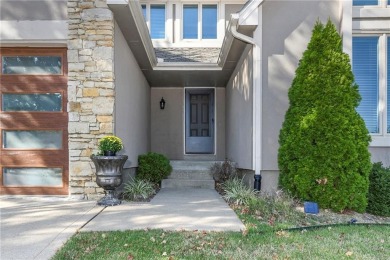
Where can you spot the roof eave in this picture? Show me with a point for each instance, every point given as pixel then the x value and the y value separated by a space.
pixel 129 13
pixel 247 20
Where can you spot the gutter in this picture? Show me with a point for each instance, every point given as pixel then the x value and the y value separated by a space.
pixel 256 85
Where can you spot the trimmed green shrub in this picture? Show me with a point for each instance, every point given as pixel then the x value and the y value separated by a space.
pixel 138 189
pixel 323 154
pixel 153 167
pixel 379 190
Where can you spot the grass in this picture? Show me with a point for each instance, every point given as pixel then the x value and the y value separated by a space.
pixel 344 242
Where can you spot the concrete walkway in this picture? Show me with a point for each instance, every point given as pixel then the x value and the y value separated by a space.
pixel 171 209
pixel 35 228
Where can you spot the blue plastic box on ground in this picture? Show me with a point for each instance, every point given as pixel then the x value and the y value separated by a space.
pixel 310 207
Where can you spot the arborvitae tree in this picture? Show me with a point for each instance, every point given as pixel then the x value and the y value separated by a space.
pixel 323 154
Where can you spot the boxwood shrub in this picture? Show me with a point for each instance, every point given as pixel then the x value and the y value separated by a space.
pixel 153 167
pixel 379 190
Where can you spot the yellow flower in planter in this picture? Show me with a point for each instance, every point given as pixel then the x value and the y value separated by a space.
pixel 109 145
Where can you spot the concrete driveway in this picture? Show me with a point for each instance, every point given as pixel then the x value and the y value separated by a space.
pixel 36 229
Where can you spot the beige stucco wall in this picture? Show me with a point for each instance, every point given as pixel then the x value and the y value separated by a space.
pixel 380 154
pixel 281 51
pixel 167 126
pixel 239 98
pixel 132 102
pixel 33 23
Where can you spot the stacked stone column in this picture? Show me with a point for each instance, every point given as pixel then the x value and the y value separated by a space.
pixel 90 89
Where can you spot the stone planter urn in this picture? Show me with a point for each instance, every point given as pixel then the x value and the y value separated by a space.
pixel 109 176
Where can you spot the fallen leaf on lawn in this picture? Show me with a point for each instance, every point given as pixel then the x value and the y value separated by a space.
pixel 152 239
pixel 130 257
pixel 103 235
pixel 282 233
pixel 170 258
pixel 125 245
pixel 349 253
pixel 382 241
pixel 164 254
pixel 164 242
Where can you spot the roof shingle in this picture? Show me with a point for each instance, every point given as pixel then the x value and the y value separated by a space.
pixel 204 55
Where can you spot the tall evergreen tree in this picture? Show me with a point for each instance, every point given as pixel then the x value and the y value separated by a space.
pixel 323 154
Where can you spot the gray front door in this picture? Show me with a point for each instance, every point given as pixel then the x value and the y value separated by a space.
pixel 200 121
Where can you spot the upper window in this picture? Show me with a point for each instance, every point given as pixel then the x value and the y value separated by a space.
pixel 209 21
pixel 190 22
pixel 192 14
pixel 155 18
pixel 365 2
pixel 369 70
pixel 157 21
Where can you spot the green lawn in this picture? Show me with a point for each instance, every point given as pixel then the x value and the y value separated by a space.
pixel 341 242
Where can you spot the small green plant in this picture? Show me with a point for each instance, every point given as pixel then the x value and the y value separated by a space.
pixel 236 192
pixel 138 190
pixel 223 171
pixel 379 190
pixel 110 143
pixel 153 167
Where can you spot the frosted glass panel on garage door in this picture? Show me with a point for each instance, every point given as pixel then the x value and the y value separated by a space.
pixel 32 65
pixel 32 139
pixel 42 177
pixel 32 102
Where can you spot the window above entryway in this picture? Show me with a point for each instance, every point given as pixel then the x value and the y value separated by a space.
pixel 155 17
pixel 200 21
pixel 188 24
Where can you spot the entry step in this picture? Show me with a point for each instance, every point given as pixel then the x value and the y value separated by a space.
pixel 193 174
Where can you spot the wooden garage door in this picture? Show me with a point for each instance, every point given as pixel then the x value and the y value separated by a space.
pixel 33 121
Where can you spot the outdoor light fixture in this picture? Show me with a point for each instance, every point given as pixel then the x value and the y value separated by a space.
pixel 162 103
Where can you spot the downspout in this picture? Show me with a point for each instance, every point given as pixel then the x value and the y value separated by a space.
pixel 257 98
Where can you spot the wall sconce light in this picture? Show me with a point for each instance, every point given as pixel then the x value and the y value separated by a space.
pixel 162 103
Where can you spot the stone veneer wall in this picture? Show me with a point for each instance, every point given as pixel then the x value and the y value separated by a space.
pixel 90 89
